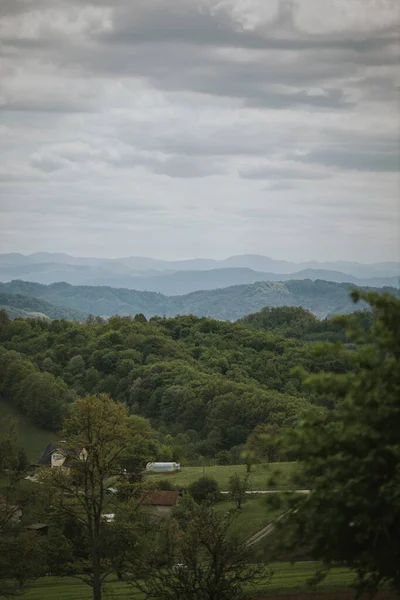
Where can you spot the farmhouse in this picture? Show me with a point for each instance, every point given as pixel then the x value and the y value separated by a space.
pixel 161 502
pixel 56 455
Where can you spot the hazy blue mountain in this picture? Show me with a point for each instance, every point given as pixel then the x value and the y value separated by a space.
pixel 136 265
pixel 230 303
pixel 359 270
pixel 166 282
pixel 339 277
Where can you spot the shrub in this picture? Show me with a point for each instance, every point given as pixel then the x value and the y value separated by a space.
pixel 165 485
pixel 223 457
pixel 205 489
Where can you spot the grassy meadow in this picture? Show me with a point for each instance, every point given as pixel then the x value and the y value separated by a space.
pixel 286 578
pixel 33 439
pixel 259 477
pixel 253 516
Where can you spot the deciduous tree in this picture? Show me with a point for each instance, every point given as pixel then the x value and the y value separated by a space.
pixel 352 458
pixel 99 433
pixel 238 488
pixel 209 564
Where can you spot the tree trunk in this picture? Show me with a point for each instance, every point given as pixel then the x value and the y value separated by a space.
pixel 96 574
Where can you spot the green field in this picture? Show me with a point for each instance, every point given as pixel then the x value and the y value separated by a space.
pixel 286 578
pixel 258 478
pixel 253 516
pixel 289 577
pixel 32 439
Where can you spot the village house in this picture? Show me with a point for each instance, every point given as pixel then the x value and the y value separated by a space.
pixel 161 502
pixel 57 455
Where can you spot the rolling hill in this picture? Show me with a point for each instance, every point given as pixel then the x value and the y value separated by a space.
pixel 321 297
pixel 27 307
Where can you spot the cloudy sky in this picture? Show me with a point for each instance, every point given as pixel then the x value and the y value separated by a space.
pixel 184 128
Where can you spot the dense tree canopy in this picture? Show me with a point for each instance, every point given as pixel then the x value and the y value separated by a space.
pixel 101 441
pixel 205 382
pixel 352 456
pixel 206 562
pixel 209 389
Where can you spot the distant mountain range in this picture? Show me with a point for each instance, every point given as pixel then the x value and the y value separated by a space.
pixel 231 303
pixel 182 277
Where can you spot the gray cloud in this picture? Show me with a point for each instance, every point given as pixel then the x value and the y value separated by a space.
pixel 187 46
pixel 48 164
pixel 281 173
pixel 170 120
pixel 323 99
pixel 184 167
pixel 190 23
pixel 280 186
pixel 78 155
pixel 360 160
pixel 171 166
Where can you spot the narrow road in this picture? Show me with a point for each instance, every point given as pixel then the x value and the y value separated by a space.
pixel 267 530
pixel 257 537
pixel 275 492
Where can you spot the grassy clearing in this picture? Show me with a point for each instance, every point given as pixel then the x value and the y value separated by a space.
pixel 32 439
pixel 286 578
pixel 289 577
pixel 259 477
pixel 253 516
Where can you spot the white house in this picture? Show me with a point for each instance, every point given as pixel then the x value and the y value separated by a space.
pixel 56 455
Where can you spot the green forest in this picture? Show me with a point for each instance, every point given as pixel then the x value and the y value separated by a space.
pixel 203 384
pixel 280 398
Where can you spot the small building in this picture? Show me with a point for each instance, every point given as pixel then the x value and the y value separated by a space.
pixel 57 455
pixel 161 501
pixel 163 467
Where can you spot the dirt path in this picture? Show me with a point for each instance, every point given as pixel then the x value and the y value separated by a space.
pixel 262 533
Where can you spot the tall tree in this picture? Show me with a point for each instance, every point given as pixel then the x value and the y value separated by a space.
pixel 207 563
pixel 22 559
pixel 238 488
pixel 22 556
pixel 352 457
pixel 99 432
pixel 13 464
pixel 265 442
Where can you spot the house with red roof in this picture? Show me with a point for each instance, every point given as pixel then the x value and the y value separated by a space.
pixel 161 501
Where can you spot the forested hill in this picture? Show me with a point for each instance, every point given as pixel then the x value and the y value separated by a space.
pixel 207 383
pixel 321 297
pixel 20 306
pixel 295 322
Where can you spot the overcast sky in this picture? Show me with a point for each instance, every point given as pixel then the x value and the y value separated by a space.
pixel 186 128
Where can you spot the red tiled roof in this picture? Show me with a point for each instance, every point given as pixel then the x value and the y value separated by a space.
pixel 162 498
